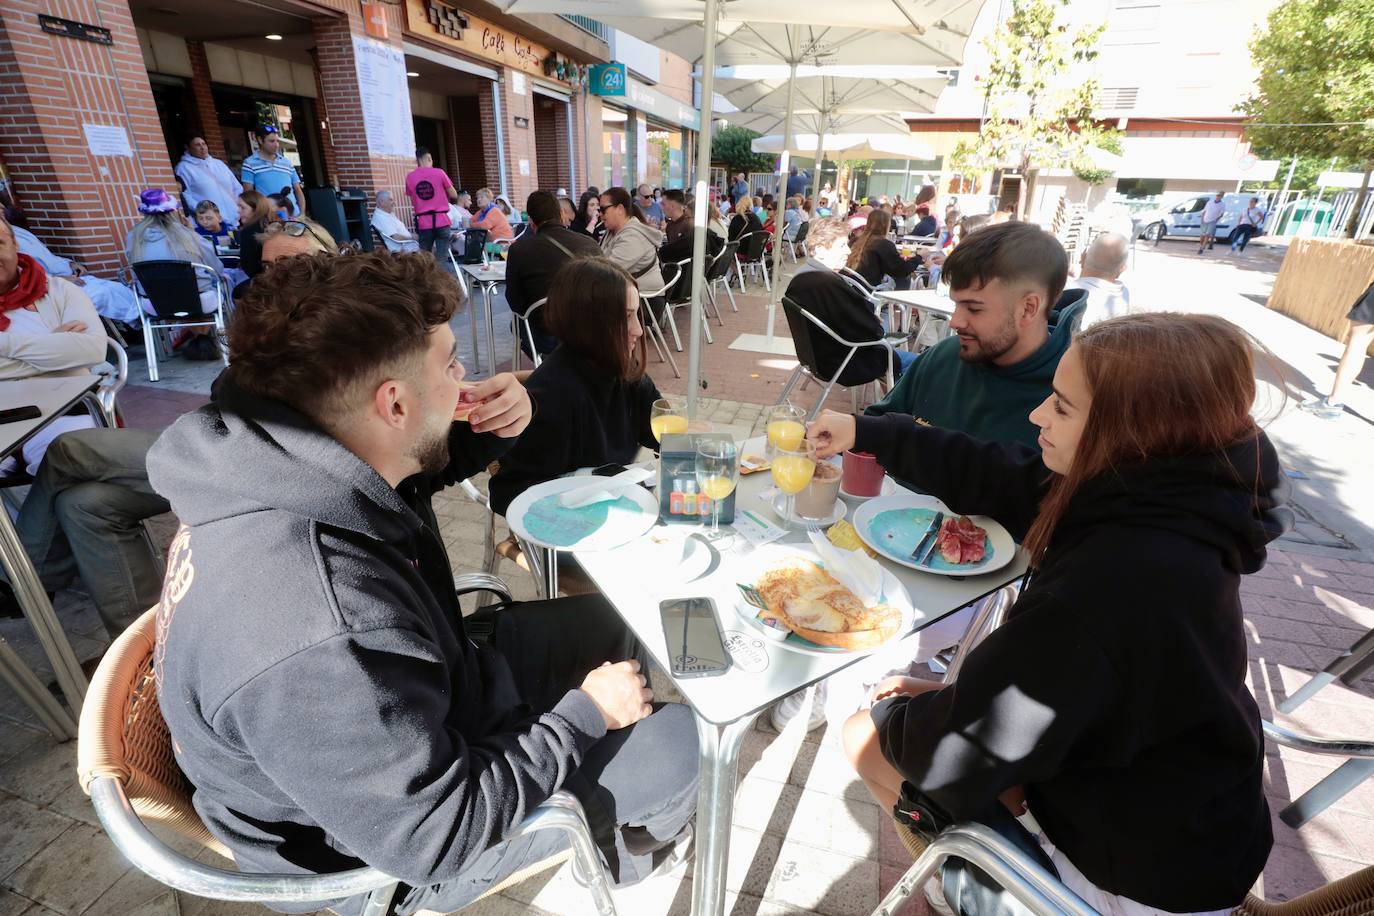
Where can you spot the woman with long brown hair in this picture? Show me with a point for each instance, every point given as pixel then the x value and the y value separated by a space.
pixel 874 255
pixel 1110 711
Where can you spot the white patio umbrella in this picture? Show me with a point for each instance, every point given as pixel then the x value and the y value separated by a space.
pixel 711 33
pixel 853 145
pixel 814 124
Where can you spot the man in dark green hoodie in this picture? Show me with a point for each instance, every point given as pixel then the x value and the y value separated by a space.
pixel 997 366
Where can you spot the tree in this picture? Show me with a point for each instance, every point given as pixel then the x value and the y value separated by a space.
pixel 1037 97
pixel 1315 92
pixel 730 145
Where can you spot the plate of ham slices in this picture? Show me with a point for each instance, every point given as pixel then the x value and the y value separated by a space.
pixel 955 545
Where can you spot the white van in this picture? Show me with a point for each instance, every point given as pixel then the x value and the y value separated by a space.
pixel 1184 218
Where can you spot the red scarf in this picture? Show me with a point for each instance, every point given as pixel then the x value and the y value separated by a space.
pixel 30 286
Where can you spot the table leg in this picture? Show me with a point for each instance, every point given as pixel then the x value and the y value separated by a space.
pixel 718 756
pixel 38 609
pixel 30 689
pixel 487 290
pixel 472 319
pixel 550 557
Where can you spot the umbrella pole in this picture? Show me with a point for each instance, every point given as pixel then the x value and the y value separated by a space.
pixel 820 154
pixel 703 200
pixel 778 221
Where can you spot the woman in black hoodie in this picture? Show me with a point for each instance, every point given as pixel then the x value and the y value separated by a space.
pixel 1112 703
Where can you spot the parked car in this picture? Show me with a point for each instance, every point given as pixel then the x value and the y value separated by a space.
pixel 1184 218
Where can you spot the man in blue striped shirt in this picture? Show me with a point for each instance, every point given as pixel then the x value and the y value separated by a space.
pixel 269 172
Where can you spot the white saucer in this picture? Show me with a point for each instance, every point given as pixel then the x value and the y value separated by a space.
pixel 837 512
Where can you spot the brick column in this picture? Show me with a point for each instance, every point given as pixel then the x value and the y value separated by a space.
pixel 563 177
pixel 79 204
pixel 491 154
pixel 583 172
pixel 355 166
pixel 207 120
pixel 519 140
pixel 331 162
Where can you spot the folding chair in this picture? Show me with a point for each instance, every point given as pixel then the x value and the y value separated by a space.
pixel 114 374
pixel 800 240
pixel 520 324
pixel 718 271
pixel 125 763
pixel 173 289
pixel 801 323
pixel 655 329
pixel 679 295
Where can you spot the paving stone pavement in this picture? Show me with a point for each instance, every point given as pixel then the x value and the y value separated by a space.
pixel 807 839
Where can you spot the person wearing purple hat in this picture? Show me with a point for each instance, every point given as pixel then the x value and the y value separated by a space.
pixel 162 236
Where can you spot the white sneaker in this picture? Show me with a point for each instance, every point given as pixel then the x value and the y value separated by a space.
pixel 1325 408
pixel 790 706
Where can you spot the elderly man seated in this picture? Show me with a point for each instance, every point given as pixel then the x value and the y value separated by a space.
pixel 324 692
pixel 394 233
pixel 48 327
pixel 113 300
pixel 1103 263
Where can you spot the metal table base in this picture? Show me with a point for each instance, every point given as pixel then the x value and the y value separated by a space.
pixel 718 758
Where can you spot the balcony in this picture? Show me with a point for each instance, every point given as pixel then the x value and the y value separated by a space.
pixel 592 27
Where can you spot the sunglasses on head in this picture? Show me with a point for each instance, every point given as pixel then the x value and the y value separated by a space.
pixel 294 228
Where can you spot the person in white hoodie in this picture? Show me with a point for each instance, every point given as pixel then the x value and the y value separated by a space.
pixel 208 178
pixel 630 241
pixel 1103 263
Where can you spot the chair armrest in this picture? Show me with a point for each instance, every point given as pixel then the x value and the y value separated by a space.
pixel 468 583
pixel 1336 747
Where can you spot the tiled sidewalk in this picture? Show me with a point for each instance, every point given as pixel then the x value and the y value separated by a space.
pixel 807 838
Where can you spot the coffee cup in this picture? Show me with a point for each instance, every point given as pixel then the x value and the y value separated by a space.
pixel 818 499
pixel 863 475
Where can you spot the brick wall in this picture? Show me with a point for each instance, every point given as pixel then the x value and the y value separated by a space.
pixel 551 143
pixel 331 161
pixel 519 141
pixel 486 117
pixel 204 116
pixel 81 205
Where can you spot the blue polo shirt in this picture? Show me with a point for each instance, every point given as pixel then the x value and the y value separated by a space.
pixel 271 177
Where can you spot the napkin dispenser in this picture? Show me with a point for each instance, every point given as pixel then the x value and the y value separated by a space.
pixel 680 501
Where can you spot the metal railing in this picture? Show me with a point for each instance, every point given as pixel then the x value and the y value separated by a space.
pixel 592 27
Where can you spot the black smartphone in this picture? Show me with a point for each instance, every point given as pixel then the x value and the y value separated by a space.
pixel 696 647
pixel 15 414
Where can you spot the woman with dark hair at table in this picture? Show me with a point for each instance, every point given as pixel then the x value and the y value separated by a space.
pixel 587 219
pixel 255 212
pixel 1137 756
pixel 874 255
pixel 629 240
pixel 594 399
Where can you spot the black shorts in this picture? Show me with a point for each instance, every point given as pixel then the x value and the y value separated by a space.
pixel 1363 310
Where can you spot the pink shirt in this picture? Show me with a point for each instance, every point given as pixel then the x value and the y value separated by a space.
pixel 427 190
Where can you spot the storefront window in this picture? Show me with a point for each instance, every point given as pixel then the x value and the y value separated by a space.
pixel 663 150
pixel 616 161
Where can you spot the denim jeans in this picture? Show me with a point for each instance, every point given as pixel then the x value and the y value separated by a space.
pixel 83 517
pixel 968 889
pixel 436 242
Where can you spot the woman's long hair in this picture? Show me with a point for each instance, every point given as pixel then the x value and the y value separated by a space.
pixel 586 312
pixel 1162 385
pixel 185 245
pixel 876 229
pixel 263 209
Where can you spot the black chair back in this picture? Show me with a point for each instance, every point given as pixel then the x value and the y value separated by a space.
pixel 751 245
pixel 801 329
pixel 801 233
pixel 720 265
pixel 173 288
pixel 474 241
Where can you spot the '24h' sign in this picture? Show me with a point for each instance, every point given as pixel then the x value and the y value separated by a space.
pixel 608 79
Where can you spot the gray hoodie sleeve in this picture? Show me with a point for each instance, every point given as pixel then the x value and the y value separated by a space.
pixel 363 749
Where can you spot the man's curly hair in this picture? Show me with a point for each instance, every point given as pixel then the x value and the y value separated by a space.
pixel 321 332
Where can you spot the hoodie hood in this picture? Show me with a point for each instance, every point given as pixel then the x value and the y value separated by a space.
pixel 651 235
pixel 242 454
pixel 1232 501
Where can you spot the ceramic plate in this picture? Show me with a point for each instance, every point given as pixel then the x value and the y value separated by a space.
pixel 536 516
pixel 894 525
pixel 749 567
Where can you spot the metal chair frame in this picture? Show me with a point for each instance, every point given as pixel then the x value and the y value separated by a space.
pixel 753 259
pixel 561 811
pixel 655 329
pixel 719 271
pixel 153 325
pixel 521 324
pixel 804 351
pixel 679 268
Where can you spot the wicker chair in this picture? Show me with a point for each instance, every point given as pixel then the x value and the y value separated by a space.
pixel 125 763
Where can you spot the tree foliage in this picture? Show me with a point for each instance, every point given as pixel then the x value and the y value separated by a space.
pixel 1039 97
pixel 1316 66
pixel 730 146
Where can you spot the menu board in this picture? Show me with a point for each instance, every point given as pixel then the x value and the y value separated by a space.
pixel 385 92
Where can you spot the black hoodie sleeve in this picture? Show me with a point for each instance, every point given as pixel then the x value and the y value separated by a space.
pixel 971 476
pixel 1010 719
pixel 891 262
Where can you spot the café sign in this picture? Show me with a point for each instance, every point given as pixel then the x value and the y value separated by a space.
pixel 445 24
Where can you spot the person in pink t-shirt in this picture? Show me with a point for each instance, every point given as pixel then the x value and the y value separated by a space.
pixel 430 193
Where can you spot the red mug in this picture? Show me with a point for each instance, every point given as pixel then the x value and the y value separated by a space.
pixel 863 475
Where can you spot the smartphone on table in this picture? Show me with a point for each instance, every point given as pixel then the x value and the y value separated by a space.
pixel 696 646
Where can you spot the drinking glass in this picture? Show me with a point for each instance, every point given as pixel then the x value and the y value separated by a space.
pixel 785 426
pixel 669 415
pixel 717 475
pixel 792 469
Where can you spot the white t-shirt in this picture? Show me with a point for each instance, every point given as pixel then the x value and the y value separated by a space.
pixel 390 227
pixel 459 218
pixel 1213 210
pixel 1106 299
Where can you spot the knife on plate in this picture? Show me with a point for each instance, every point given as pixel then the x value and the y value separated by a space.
pixel 928 540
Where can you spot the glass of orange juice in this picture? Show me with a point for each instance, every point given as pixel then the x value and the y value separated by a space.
pixel 792 470
pixel 668 415
pixel 785 428
pixel 717 470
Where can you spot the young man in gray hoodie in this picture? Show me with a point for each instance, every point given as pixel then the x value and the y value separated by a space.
pixel 325 695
